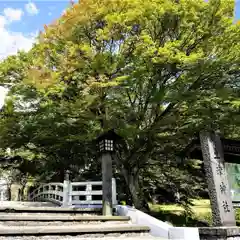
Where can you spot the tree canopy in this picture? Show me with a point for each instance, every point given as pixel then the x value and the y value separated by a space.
pixel 156 71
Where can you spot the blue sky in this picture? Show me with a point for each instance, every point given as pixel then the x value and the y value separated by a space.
pixel 237 9
pixel 35 13
pixel 20 23
pixel 21 20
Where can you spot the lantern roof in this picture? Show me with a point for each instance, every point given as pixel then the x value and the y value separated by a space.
pixel 111 135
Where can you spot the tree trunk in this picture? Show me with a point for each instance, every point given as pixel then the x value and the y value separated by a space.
pixel 19 195
pixel 9 193
pixel 21 192
pixel 139 202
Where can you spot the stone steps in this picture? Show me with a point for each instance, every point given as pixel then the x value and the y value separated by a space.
pixel 60 217
pixel 33 221
pixel 42 207
pixel 22 209
pixel 80 229
pixel 89 237
pixel 50 205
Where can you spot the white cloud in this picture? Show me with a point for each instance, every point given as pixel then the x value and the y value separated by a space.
pixel 2 22
pixel 12 14
pixel 31 8
pixel 12 42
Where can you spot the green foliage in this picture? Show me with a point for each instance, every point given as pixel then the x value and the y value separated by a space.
pixel 155 71
pixel 200 214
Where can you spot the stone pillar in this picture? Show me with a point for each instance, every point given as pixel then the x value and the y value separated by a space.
pixel 218 187
pixel 107 183
pixel 114 192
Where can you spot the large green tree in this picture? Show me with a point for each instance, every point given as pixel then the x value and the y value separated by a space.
pixel 156 71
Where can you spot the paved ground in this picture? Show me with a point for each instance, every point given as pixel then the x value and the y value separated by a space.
pixel 17 204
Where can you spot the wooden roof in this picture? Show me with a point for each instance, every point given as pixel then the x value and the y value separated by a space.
pixel 231 150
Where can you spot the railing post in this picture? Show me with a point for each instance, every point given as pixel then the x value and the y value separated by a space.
pixel 70 194
pixel 66 190
pixel 89 192
pixel 114 192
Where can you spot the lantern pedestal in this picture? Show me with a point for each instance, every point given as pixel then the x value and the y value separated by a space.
pixel 107 183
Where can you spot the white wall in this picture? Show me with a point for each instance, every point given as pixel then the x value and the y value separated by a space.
pixel 158 228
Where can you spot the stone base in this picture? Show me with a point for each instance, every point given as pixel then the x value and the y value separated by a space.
pixel 219 233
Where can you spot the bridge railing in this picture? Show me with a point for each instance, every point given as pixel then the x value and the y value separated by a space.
pixel 82 194
pixel 52 192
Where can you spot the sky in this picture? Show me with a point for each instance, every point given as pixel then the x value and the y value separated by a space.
pixel 21 21
pixel 237 9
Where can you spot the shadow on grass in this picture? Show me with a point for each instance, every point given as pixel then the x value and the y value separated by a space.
pixel 178 218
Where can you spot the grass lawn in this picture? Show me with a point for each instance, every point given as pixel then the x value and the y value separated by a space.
pixel 175 214
pixel 201 206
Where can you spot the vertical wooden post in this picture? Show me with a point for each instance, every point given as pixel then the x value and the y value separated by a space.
pixel 107 183
pixel 66 189
pixel 219 192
